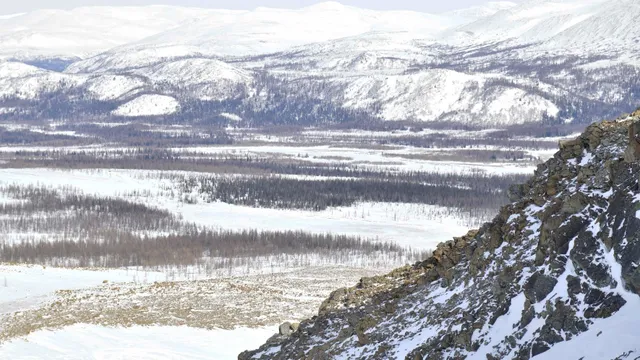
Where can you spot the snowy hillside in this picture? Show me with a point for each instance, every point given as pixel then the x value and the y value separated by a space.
pixel 481 11
pixel 529 22
pixel 205 78
pixel 28 82
pixel 497 64
pixel 375 52
pixel 148 105
pixel 21 81
pixel 580 27
pixel 553 276
pixel 432 94
pixel 609 30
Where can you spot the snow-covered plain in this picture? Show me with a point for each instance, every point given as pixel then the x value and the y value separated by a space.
pixel 400 158
pixel 87 342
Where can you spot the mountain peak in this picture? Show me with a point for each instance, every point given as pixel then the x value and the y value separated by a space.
pixel 327 6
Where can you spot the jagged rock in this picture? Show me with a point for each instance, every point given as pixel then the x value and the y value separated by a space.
pixel 571 148
pixel 633 150
pixel 538 287
pixel 565 253
pixel 516 192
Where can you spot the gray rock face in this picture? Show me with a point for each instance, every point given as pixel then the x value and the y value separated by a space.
pixel 563 255
pixel 538 287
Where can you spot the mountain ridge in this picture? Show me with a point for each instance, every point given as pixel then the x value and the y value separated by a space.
pixel 557 267
pixel 387 65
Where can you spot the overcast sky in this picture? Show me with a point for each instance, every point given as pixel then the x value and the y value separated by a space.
pixel 16 6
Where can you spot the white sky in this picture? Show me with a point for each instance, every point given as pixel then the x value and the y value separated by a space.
pixel 13 6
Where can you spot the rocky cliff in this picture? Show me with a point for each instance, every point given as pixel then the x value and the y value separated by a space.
pixel 554 276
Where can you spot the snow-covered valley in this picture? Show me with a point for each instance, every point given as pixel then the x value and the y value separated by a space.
pixel 59 199
pixel 184 183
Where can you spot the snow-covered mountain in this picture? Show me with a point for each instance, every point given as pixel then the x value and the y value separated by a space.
pixel 439 93
pixel 26 82
pixel 481 11
pixel 498 64
pixel 87 31
pixel 561 26
pixel 265 31
pixel 530 22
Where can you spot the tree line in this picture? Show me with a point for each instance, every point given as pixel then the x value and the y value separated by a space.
pixel 89 231
pixel 319 194
pixel 117 249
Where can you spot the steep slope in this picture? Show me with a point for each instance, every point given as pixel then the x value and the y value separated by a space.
pixel 530 22
pixel 555 275
pixel 610 30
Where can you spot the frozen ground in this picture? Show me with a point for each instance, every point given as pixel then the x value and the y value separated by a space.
pixel 85 314
pixel 418 226
pixel 259 302
pixel 86 342
pixel 394 158
pixel 400 158
pixel 23 287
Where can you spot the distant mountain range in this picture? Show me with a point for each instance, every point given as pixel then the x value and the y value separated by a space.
pixel 494 65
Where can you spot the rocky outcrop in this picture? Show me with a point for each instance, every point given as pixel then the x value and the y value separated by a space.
pixel 551 265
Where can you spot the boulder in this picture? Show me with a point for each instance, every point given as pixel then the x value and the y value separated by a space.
pixel 287 328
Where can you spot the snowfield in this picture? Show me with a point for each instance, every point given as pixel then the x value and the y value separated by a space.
pixel 183 319
pixel 597 343
pixel 84 342
pixel 149 105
